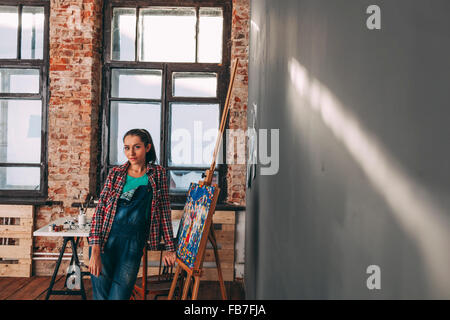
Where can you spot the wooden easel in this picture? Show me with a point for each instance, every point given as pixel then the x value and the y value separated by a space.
pixel 197 270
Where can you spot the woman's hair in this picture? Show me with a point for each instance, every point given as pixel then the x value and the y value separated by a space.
pixel 146 139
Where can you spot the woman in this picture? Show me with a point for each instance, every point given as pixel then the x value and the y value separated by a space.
pixel 132 205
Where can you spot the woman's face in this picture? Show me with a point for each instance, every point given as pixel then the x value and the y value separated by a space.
pixel 135 150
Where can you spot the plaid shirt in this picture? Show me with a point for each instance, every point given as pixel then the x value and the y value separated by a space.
pixel 107 204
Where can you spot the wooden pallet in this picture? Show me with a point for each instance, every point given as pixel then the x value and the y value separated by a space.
pixel 15 259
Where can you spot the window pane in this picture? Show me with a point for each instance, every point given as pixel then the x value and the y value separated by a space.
pixel 167 34
pixel 129 83
pixel 190 84
pixel 19 81
pixel 20 131
pixel 9 22
pixel 32 32
pixel 128 115
pixel 210 35
pixel 193 135
pixel 20 178
pixel 180 180
pixel 123 34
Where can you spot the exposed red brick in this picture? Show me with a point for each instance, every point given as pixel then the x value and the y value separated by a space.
pixel 58 67
pixel 238 116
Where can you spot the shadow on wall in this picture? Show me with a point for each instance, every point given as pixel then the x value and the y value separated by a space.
pixel 415 209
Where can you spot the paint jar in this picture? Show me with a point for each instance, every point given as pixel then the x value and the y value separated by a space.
pixel 81 220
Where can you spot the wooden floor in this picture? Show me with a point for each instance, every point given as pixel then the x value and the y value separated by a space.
pixel 35 288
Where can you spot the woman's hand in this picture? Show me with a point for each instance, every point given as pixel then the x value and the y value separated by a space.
pixel 95 262
pixel 169 258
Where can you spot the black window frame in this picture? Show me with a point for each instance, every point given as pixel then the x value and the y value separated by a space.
pixel 168 68
pixel 31 196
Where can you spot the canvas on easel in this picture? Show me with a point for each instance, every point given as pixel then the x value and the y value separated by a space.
pixel 192 224
pixel 191 244
pixel 196 223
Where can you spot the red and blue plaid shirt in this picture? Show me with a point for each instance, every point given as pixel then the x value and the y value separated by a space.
pixel 161 218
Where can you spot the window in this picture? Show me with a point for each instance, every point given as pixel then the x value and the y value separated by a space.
pixel 23 100
pixel 166 69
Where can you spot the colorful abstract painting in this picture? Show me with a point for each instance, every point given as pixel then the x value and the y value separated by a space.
pixel 192 222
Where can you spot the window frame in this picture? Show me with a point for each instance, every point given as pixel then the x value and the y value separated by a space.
pixel 31 196
pixel 168 68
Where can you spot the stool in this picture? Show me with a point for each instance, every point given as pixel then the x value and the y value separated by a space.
pixel 158 285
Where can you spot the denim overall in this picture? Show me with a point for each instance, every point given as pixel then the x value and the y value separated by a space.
pixel 124 248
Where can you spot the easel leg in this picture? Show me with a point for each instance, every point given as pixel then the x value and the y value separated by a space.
pixel 196 286
pixel 58 263
pixel 174 283
pixel 186 286
pixel 212 238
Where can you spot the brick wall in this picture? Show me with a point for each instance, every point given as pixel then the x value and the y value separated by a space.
pixel 238 108
pixel 75 92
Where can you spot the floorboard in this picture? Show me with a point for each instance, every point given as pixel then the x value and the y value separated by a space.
pixel 35 288
pixel 32 289
pixel 10 285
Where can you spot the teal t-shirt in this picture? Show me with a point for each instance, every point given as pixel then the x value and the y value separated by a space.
pixel 131 184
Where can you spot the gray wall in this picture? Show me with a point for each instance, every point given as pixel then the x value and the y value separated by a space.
pixel 364 175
